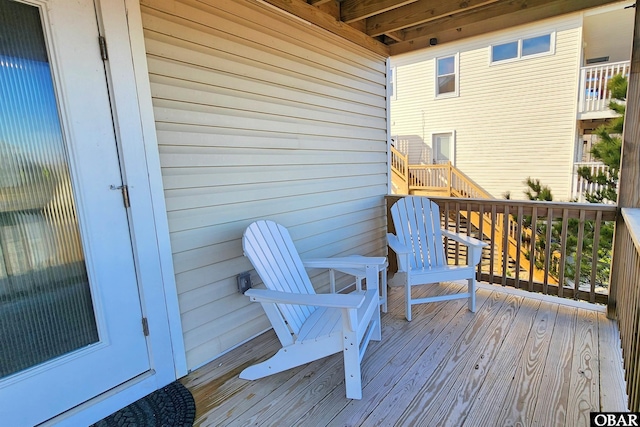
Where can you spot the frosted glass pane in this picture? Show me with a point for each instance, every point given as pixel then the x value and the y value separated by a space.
pixel 45 301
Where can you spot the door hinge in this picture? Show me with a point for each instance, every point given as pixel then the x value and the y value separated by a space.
pixel 145 327
pixel 125 194
pixel 103 48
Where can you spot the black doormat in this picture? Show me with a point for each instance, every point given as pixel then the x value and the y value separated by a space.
pixel 171 406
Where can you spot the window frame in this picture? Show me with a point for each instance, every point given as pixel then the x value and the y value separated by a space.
pixel 520 42
pixel 456 74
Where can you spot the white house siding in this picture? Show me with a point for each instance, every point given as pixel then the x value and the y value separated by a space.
pixel 259 116
pixel 512 120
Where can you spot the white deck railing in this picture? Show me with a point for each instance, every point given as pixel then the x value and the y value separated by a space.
pixel 594 95
pixel 580 186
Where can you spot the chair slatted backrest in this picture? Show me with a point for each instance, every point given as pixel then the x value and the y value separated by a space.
pixel 270 249
pixel 417 223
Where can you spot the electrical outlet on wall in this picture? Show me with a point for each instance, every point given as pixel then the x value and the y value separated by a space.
pixel 244 282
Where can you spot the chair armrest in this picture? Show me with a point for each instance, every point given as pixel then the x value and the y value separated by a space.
pixel 475 246
pixel 397 246
pixel 319 300
pixel 464 239
pixel 338 263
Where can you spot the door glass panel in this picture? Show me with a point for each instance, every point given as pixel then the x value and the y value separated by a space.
pixel 46 308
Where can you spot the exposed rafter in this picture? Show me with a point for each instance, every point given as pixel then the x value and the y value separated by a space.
pixel 355 10
pixel 398 26
pixel 418 13
pixel 495 17
pixel 311 14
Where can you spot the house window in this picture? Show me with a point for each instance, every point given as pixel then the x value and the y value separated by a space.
pixel 522 48
pixel 505 51
pixel 447 76
pixel 536 45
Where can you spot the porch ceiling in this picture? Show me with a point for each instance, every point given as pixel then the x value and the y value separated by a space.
pixel 391 27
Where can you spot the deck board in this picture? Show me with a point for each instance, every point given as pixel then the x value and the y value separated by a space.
pixel 537 363
pixel 519 403
pixel 584 388
pixel 496 380
pixel 435 390
pixel 611 375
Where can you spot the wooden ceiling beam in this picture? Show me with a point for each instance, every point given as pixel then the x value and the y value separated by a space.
pixel 493 19
pixel 313 15
pixel 417 13
pixel 396 35
pixel 318 2
pixel 355 10
pixel 500 8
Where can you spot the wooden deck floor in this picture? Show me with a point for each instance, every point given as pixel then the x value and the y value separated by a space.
pixel 517 361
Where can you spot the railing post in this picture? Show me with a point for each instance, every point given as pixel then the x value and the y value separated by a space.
pixel 450 177
pixel 629 178
pixel 583 90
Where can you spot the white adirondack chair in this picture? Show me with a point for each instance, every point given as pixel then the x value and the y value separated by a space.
pixel 309 325
pixel 418 244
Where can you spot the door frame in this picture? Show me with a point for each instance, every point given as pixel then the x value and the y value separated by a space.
pixel 120 22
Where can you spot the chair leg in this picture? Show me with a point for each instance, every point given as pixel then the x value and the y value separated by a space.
pixel 383 284
pixel 352 374
pixel 408 299
pixel 376 335
pixel 472 294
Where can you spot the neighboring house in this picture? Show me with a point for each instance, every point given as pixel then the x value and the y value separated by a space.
pixel 512 104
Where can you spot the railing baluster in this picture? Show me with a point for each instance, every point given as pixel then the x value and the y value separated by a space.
pixel 547 251
pixel 579 253
pixel 457 246
pixel 447 214
pixel 532 253
pixel 481 235
pixel 518 237
pixel 493 239
pixel 563 251
pixel 505 244
pixel 594 255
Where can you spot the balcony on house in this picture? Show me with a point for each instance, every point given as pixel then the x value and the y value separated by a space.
pixel 539 350
pixel 594 96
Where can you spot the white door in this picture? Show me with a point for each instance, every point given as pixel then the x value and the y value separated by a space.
pixel 443 148
pixel 70 314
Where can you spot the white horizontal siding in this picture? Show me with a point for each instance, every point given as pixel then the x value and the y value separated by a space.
pixel 259 116
pixel 512 120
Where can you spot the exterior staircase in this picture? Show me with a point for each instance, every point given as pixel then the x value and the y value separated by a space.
pixel 445 180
